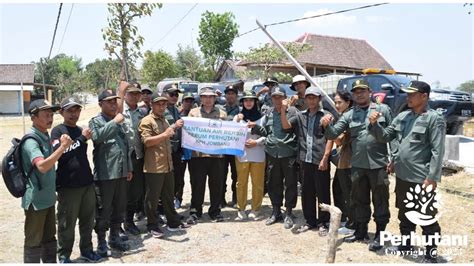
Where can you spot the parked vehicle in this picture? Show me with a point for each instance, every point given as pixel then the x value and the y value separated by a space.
pixel 456 106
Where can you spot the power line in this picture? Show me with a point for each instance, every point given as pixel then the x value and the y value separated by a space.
pixel 175 25
pixel 65 29
pixel 316 16
pixel 326 14
pixel 55 29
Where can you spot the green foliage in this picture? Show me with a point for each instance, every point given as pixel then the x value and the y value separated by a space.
pixel 467 86
pixel 157 66
pixel 267 55
pixel 216 35
pixel 62 70
pixel 121 36
pixel 205 75
pixel 102 74
pixel 189 62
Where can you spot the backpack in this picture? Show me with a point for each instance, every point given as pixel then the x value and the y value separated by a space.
pixel 13 173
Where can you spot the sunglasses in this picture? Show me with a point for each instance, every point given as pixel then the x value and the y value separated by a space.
pixel 173 94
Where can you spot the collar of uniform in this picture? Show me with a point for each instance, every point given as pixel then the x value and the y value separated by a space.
pixel 214 108
pixel 106 118
pixel 127 108
pixel 161 117
pixel 230 106
pixel 43 135
pixel 320 111
pixel 425 111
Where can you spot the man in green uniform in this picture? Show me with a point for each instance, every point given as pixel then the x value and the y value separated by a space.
pixel 112 170
pixel 420 133
pixel 40 197
pixel 172 115
pixel 369 162
pixel 280 148
pixel 132 114
pixel 231 107
pixel 156 134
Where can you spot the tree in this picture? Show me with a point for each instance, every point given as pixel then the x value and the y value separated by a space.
pixel 64 71
pixel 157 66
pixel 122 35
pixel 216 34
pixel 268 55
pixel 102 74
pixel 189 62
pixel 467 86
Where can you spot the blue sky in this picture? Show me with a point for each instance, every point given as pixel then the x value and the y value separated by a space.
pixel 433 39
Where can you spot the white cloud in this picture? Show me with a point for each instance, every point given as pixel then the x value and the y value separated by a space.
pixel 326 21
pixel 378 19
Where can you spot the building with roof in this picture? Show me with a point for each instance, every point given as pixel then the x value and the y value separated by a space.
pixel 12 78
pixel 327 57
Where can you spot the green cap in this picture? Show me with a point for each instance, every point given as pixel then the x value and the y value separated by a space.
pixel 188 95
pixel 360 84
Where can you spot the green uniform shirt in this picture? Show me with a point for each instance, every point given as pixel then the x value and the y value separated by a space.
pixel 172 115
pixel 130 126
pixel 420 139
pixel 46 197
pixel 280 143
pixel 367 152
pixel 111 154
pixel 231 111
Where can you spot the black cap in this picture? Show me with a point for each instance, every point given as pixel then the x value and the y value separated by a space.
pixel 170 88
pixel 271 80
pixel 69 102
pixel 278 91
pixel 156 97
pixel 360 84
pixel 417 86
pixel 231 88
pixel 107 94
pixel 147 90
pixel 188 95
pixel 41 104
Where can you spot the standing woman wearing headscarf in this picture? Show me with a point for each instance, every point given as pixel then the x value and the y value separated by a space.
pixel 252 162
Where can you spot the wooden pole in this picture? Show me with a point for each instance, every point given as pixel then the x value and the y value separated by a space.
pixel 298 66
pixel 22 107
pixel 335 221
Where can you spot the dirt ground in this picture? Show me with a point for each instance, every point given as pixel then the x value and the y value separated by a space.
pixel 242 242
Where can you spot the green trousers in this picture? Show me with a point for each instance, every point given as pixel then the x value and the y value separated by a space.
pixel 40 226
pixel 160 185
pixel 73 204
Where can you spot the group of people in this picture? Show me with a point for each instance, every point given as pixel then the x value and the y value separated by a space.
pixel 139 164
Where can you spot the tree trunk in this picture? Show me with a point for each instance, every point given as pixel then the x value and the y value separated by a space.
pixel 335 222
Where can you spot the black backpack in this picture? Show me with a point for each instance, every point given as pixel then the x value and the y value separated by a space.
pixel 13 173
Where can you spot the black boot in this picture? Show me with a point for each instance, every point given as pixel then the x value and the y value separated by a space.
pixel 102 248
pixel 288 223
pixel 360 234
pixel 276 216
pixel 115 241
pixel 49 251
pixel 431 255
pixel 376 245
pixel 32 254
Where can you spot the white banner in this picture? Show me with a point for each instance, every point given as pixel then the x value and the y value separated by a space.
pixel 213 136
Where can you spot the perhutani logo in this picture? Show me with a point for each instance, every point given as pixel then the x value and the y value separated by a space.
pixel 424 203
